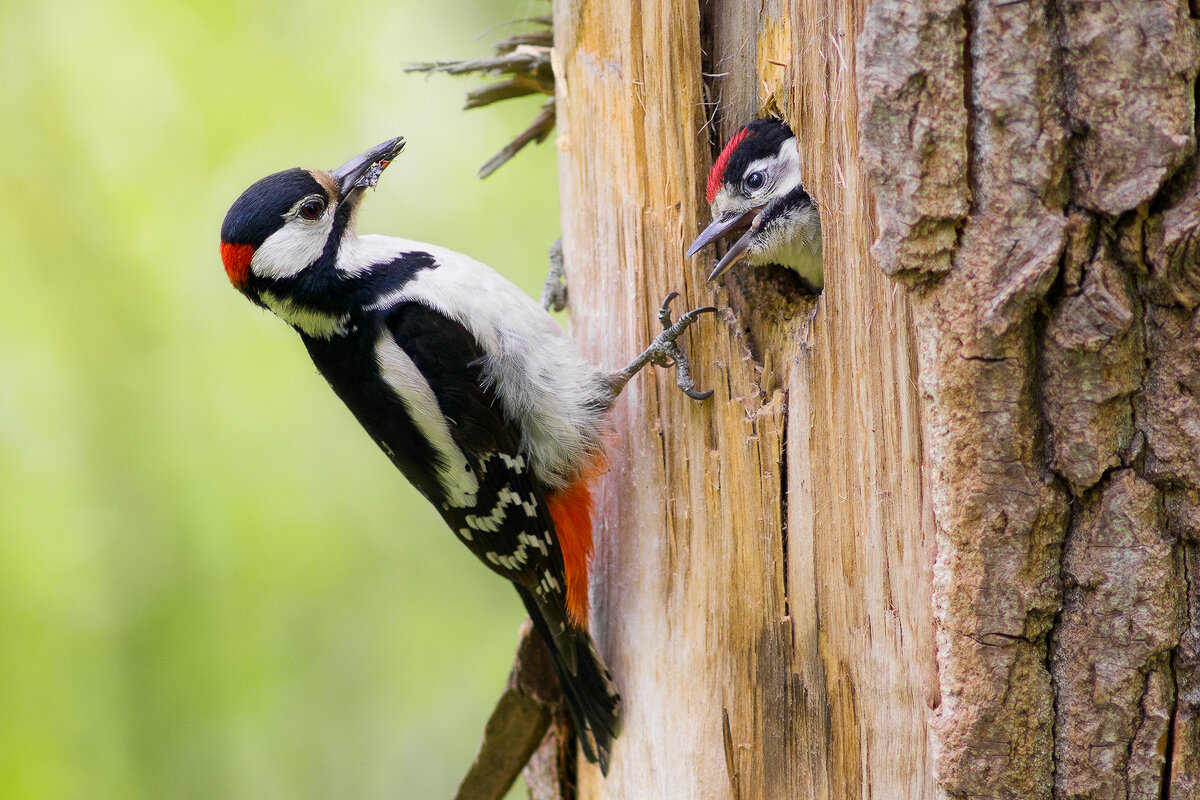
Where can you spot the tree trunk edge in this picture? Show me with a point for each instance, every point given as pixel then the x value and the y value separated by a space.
pixel 945 459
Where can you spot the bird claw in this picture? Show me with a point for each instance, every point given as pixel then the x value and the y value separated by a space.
pixel 554 289
pixel 666 345
pixel 664 351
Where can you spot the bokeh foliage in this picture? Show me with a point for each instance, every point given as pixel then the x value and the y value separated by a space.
pixel 212 585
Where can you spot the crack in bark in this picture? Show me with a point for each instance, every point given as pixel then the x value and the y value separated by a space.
pixel 1168 755
pixel 969 127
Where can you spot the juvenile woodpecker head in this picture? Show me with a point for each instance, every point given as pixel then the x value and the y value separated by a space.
pixel 754 189
pixel 290 221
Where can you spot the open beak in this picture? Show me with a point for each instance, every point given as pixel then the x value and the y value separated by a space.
pixel 731 222
pixel 363 171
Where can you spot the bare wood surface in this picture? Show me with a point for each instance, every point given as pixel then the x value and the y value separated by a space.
pixel 770 643
pixel 525 59
pixel 550 773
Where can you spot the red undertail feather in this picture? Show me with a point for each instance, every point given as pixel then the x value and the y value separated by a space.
pixel 571 508
pixel 717 174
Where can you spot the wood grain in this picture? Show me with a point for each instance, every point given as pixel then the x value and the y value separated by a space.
pixel 765 557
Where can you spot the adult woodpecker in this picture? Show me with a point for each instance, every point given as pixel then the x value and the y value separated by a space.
pixel 754 188
pixel 469 387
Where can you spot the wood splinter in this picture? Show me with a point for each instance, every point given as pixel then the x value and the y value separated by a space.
pixel 525 58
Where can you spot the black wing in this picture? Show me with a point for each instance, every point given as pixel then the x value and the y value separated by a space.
pixel 508 526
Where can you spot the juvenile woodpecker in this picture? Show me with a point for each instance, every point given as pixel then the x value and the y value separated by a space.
pixel 755 187
pixel 469 387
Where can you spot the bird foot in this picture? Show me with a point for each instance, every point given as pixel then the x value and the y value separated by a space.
pixel 665 352
pixel 554 289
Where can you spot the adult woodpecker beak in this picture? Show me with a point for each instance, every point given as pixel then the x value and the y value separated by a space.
pixel 727 223
pixel 363 171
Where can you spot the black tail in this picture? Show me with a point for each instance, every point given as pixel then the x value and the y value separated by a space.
pixel 589 690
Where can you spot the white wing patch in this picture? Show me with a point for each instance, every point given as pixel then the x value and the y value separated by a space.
pixel 455 475
pixel 358 254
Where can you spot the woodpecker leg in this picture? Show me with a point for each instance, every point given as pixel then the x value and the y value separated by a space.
pixel 554 290
pixel 664 352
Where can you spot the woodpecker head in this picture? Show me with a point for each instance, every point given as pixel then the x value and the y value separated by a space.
pixel 290 221
pixel 754 189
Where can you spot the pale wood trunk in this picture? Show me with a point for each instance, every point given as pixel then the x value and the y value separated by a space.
pixel 932 535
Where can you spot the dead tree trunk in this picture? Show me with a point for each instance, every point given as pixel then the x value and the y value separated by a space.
pixel 933 535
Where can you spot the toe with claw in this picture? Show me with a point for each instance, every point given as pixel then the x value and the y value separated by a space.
pixel 554 289
pixel 665 352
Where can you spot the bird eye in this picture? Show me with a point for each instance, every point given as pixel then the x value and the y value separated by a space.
pixel 312 209
pixel 755 180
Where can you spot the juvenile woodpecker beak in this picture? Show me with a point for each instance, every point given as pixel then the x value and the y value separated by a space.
pixel 363 171
pixel 727 223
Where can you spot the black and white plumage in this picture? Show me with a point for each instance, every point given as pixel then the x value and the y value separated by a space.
pixel 471 389
pixel 755 188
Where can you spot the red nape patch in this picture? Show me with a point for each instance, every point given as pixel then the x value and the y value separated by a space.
pixel 571 508
pixel 236 258
pixel 717 174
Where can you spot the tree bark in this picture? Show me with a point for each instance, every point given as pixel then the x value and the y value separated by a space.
pixel 932 537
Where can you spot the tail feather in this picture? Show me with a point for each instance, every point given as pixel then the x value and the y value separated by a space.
pixel 588 689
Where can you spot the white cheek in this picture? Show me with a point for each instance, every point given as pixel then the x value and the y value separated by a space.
pixel 782 171
pixel 724 198
pixel 728 201
pixel 292 248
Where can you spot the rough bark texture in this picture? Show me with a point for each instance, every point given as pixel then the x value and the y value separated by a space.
pixel 1058 355
pixel 937 533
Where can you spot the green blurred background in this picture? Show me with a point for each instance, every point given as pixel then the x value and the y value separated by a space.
pixel 212 585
